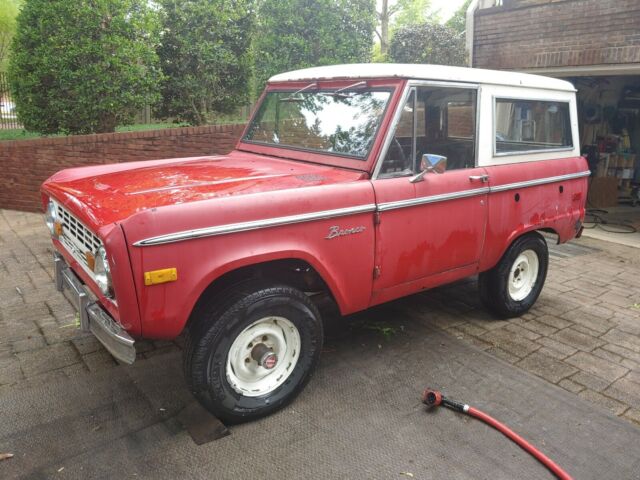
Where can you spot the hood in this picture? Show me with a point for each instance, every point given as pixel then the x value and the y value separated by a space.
pixel 110 193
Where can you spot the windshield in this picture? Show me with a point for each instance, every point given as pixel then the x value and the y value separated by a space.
pixel 338 122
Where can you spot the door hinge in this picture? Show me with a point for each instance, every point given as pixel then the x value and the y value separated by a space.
pixel 376 271
pixel 376 218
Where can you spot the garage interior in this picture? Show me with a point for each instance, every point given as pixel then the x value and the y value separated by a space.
pixel 609 124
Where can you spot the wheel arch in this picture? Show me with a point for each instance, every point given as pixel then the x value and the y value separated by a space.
pixel 488 264
pixel 298 271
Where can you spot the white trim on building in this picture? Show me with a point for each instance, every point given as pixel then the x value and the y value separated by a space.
pixel 587 70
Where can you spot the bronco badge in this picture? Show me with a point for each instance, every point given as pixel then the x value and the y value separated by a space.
pixel 335 231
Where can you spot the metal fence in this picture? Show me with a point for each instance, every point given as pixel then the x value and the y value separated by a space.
pixel 8 118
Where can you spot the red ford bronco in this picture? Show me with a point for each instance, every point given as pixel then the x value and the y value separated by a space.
pixel 366 182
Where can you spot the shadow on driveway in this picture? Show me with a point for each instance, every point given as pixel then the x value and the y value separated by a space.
pixel 359 418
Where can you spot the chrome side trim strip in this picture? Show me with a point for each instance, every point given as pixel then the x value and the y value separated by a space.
pixel 478 191
pixel 539 181
pixel 341 212
pixel 411 202
pixel 254 225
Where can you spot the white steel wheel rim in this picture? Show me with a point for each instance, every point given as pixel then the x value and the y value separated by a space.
pixel 244 373
pixel 523 275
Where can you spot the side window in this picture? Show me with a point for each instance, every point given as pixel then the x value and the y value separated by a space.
pixel 435 123
pixel 400 158
pixel 527 126
pixel 446 125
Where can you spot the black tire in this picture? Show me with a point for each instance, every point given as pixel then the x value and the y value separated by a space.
pixel 494 284
pixel 216 325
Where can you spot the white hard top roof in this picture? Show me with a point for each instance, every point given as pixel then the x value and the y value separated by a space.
pixel 424 72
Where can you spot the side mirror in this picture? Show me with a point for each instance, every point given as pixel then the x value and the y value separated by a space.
pixel 430 163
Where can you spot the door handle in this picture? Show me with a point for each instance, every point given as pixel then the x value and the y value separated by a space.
pixel 482 178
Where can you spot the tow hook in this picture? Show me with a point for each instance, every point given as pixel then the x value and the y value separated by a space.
pixel 433 398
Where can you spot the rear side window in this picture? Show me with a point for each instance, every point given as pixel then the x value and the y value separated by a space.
pixel 531 126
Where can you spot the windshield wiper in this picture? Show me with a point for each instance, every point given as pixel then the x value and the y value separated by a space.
pixel 293 98
pixel 339 93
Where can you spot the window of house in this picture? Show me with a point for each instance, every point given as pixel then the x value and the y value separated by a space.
pixel 528 126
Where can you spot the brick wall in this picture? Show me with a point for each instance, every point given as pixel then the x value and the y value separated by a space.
pixel 525 34
pixel 25 164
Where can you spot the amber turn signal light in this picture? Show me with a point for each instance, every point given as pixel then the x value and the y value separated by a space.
pixel 160 276
pixel 91 260
pixel 57 228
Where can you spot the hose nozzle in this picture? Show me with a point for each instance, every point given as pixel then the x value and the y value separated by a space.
pixel 431 398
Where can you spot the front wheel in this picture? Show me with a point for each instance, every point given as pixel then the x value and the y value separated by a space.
pixel 251 352
pixel 512 287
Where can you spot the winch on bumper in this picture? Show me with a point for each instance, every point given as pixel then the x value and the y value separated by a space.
pixel 93 318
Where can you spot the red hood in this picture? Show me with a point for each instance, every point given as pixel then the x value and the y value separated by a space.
pixel 109 193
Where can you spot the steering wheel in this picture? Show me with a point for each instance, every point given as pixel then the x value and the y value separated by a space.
pixel 403 157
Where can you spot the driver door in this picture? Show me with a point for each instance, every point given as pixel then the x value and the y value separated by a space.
pixel 433 225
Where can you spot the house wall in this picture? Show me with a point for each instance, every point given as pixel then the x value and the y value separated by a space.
pixel 25 164
pixel 528 34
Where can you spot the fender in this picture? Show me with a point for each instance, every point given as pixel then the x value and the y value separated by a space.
pixel 166 307
pixel 345 261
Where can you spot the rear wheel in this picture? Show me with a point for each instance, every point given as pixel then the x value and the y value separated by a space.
pixel 252 351
pixel 512 287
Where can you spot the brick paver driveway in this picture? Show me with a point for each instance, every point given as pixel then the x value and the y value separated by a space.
pixel 583 334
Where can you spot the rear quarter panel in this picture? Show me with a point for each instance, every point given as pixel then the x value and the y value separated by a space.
pixel 557 206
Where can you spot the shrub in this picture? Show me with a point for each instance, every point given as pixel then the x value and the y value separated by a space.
pixel 83 66
pixel 307 33
pixel 427 43
pixel 205 57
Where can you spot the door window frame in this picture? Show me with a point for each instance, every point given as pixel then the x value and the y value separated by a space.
pixel 409 87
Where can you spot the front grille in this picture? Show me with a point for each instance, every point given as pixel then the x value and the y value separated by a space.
pixel 77 238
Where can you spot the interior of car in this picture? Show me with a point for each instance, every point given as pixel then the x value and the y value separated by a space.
pixel 434 121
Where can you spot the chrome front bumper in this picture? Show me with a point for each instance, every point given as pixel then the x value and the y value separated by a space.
pixel 93 318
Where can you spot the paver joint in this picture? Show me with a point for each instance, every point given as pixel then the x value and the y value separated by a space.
pixel 583 334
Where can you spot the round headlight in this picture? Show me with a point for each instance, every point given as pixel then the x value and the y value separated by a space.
pixel 102 273
pixel 50 217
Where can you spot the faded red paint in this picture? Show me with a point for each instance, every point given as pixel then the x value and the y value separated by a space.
pixel 540 207
pixel 112 193
pixel 414 248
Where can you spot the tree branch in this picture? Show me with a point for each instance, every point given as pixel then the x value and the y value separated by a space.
pixel 394 9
